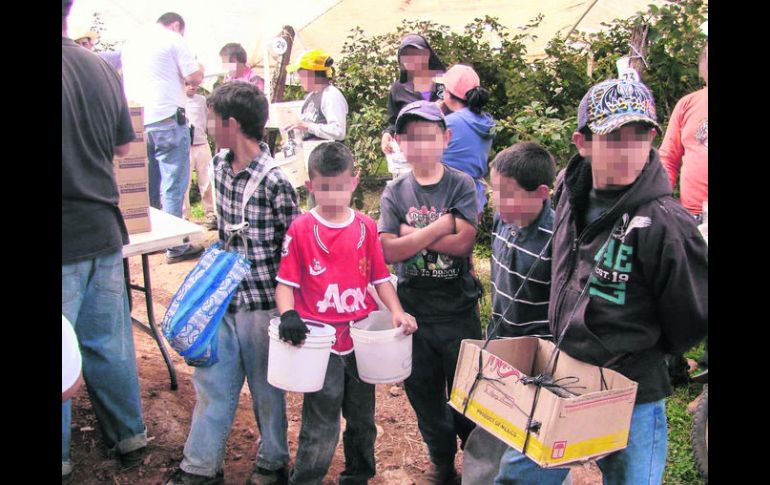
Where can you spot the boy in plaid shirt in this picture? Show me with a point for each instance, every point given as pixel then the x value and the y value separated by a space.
pixel 237 116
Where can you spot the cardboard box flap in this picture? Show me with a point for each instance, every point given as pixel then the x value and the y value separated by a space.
pixel 518 353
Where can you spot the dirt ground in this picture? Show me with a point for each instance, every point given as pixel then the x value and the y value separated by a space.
pixel 400 453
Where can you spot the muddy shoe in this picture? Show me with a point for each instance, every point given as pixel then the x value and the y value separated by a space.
pixel 181 477
pixel 133 458
pixel 439 475
pixel 262 476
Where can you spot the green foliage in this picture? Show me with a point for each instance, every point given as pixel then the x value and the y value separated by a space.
pixel 680 463
pixel 536 122
pixel 532 99
pixel 102 44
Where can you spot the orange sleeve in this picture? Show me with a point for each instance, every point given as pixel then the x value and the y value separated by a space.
pixel 671 150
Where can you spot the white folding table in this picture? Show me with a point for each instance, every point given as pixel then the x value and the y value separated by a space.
pixel 167 231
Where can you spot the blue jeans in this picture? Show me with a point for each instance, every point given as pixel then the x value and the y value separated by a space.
pixel 94 300
pixel 243 346
pixel 168 159
pixel 641 463
pixel 342 391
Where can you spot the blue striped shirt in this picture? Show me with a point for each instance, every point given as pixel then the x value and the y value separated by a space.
pixel 514 251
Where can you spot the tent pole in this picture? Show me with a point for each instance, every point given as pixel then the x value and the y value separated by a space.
pixel 580 20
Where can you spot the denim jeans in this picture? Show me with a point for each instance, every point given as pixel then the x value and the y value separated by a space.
pixel 641 463
pixel 435 348
pixel 243 345
pixel 342 391
pixel 168 159
pixel 200 156
pixel 94 300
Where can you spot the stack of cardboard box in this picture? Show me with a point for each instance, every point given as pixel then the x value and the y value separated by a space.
pixel 133 180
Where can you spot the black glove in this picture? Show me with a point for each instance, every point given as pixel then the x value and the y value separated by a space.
pixel 292 328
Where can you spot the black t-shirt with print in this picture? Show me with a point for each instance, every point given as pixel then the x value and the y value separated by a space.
pixel 94 120
pixel 431 285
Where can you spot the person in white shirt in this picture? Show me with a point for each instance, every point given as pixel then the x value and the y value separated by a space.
pixel 200 155
pixel 324 113
pixel 156 64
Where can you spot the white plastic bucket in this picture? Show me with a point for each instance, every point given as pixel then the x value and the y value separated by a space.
pixel 303 368
pixel 383 353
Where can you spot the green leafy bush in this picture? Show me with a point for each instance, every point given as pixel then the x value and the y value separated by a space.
pixel 531 99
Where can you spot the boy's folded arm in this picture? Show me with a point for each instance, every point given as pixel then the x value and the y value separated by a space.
pixel 400 248
pixel 459 244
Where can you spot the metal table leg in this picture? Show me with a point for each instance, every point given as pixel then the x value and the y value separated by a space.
pixel 151 327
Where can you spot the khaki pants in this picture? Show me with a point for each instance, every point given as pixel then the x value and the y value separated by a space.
pixel 200 156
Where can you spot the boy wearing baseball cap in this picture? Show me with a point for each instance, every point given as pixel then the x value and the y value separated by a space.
pixel 629 279
pixel 427 227
pixel 325 110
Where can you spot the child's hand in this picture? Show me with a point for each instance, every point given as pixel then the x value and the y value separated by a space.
pixel 447 222
pixel 292 329
pixel 385 143
pixel 301 125
pixel 404 320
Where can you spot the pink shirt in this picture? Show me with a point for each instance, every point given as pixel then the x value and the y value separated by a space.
pixel 330 267
pixel 686 147
pixel 250 77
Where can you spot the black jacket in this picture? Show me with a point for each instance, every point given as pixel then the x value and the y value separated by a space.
pixel 648 293
pixel 402 91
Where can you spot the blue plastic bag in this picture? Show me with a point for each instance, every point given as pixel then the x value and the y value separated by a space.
pixel 196 310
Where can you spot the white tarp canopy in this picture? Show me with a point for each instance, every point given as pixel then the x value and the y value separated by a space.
pixel 326 24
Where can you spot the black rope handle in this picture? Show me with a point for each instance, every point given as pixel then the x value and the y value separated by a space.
pixel 551 363
pixel 496 323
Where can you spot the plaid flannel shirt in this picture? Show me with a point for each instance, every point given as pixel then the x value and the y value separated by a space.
pixel 269 213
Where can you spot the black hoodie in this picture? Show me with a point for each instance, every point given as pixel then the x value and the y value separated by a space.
pixel 648 295
pixel 402 91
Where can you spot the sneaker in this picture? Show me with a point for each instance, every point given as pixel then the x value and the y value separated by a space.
pixel 133 458
pixel 263 476
pixel 192 252
pixel 211 223
pixel 439 475
pixel 181 477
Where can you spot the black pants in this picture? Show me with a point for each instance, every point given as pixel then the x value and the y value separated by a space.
pixel 435 348
pixel 342 391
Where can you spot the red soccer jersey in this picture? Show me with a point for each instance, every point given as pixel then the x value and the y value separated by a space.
pixel 330 266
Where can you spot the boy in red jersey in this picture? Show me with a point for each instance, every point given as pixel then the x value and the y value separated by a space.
pixel 329 257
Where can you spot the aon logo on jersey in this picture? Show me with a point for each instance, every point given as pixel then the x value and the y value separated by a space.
pixel 350 300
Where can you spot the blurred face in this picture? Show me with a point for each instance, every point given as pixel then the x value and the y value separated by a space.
pixel 189 89
pixel 515 204
pixel 616 158
pixel 332 193
pixel 228 66
pixel 309 80
pixel 225 132
pixel 414 59
pixel 86 43
pixel 423 142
